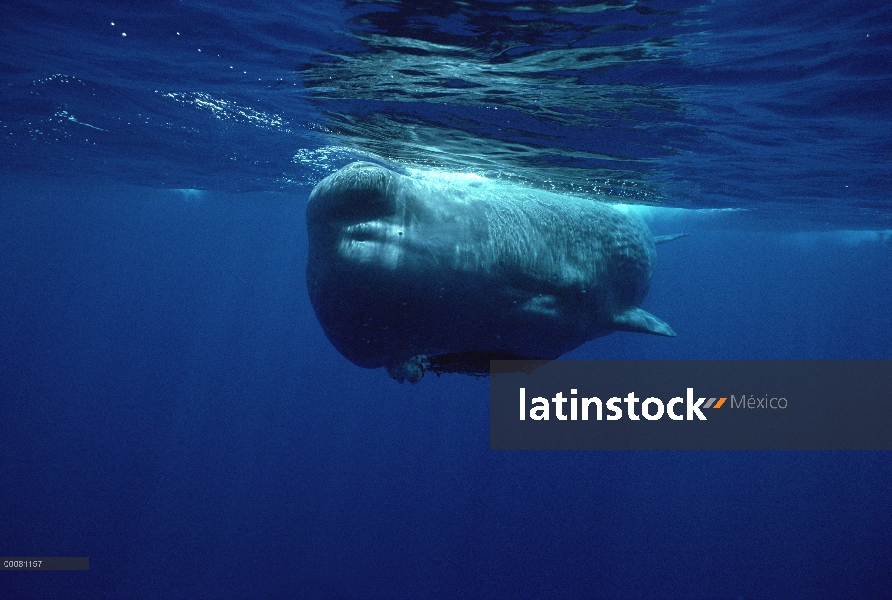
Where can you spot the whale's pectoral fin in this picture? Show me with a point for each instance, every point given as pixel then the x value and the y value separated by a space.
pixel 641 321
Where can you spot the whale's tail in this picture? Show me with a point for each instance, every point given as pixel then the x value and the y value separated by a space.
pixel 662 239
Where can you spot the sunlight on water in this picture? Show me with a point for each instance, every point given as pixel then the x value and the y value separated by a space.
pixel 228 110
pixel 656 103
pixel 525 106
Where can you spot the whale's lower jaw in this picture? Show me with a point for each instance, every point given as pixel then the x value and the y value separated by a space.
pixel 376 320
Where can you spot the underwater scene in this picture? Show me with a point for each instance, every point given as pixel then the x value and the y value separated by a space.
pixel 255 258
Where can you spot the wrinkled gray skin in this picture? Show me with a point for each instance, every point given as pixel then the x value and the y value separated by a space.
pixel 404 269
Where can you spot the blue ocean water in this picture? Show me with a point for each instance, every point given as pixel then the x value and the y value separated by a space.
pixel 170 407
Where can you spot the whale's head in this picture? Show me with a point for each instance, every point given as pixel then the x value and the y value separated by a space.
pixel 369 218
pixel 378 245
pixel 353 215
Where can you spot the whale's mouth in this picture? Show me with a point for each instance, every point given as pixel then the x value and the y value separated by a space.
pixel 367 231
pixel 371 242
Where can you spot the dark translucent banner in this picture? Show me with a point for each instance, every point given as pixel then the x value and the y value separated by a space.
pixel 691 405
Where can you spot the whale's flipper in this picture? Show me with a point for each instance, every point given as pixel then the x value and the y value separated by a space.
pixel 640 321
pixel 662 239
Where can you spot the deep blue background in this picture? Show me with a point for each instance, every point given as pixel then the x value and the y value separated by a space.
pixel 170 408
